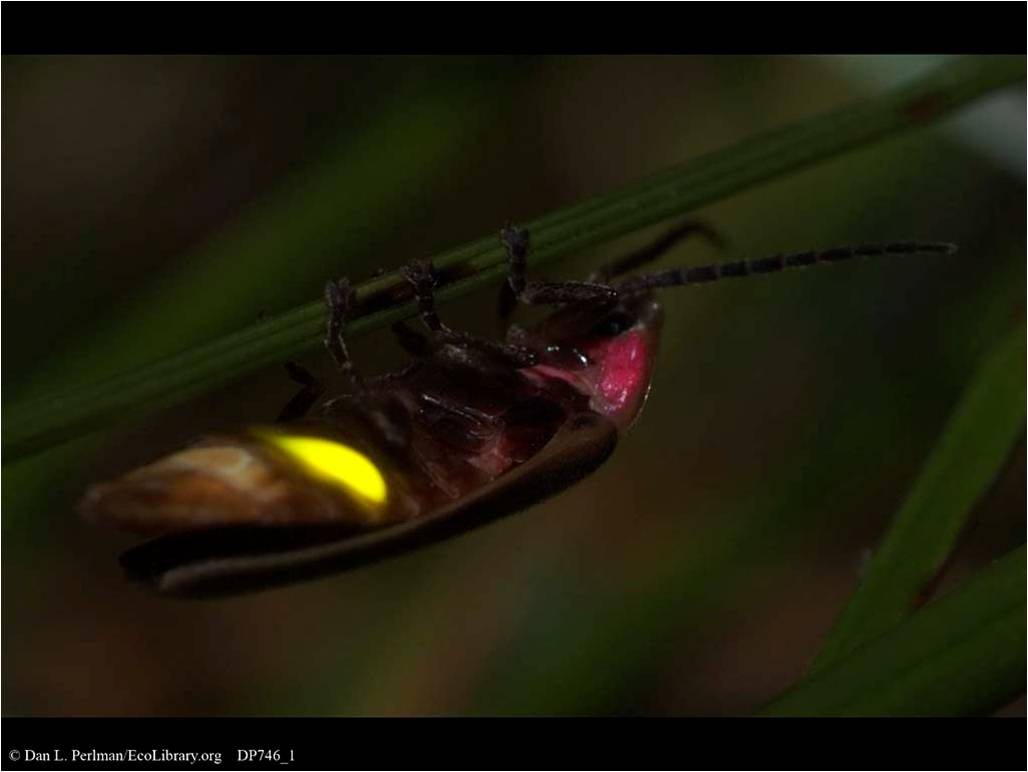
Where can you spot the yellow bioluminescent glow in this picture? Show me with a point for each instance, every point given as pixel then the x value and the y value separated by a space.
pixel 334 462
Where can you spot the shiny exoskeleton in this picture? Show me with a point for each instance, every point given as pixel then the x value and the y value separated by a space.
pixel 472 430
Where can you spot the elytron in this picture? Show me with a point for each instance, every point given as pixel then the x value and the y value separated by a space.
pixel 473 429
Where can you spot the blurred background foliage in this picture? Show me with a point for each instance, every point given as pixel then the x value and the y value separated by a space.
pixel 152 203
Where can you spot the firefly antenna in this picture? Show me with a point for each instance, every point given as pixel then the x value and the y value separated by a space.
pixel 679 277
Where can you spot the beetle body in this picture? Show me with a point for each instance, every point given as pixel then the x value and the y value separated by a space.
pixel 443 437
pixel 472 430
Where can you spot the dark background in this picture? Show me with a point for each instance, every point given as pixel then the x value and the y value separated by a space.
pixel 153 202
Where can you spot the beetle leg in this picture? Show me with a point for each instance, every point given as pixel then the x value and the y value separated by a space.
pixel 340 296
pixel 303 400
pixel 658 248
pixel 419 274
pixel 516 241
pixel 596 287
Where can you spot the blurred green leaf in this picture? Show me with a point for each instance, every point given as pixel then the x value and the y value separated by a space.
pixel 37 423
pixel 969 455
pixel 962 654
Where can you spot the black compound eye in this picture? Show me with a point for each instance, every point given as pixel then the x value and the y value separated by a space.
pixel 613 324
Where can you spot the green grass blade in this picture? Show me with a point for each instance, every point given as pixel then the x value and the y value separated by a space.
pixel 40 422
pixel 962 654
pixel 970 453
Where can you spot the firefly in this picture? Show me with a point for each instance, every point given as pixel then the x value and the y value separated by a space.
pixel 473 429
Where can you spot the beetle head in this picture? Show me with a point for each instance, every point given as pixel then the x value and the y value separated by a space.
pixel 606 350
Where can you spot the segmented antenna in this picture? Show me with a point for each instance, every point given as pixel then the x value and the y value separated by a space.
pixel 677 277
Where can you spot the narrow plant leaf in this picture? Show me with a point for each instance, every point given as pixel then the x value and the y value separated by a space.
pixel 47 420
pixel 962 654
pixel 970 453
